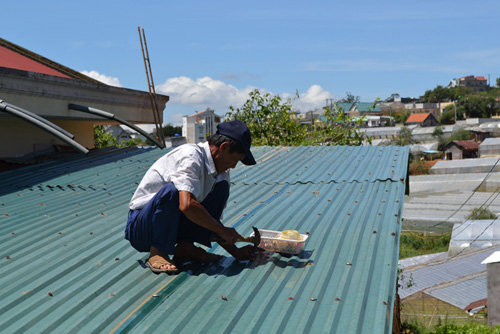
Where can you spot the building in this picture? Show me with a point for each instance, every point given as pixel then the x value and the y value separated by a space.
pixel 446 286
pixel 490 147
pixel 424 108
pixel 461 149
pixel 477 84
pixel 196 128
pixel 421 119
pixel 47 105
pixel 363 109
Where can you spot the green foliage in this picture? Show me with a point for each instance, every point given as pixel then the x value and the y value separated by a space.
pixel 269 119
pixel 438 131
pixel 479 105
pixel 461 134
pixel 349 98
pixel 413 244
pixel 338 129
pixel 448 116
pixel 131 142
pixel 403 138
pixel 442 94
pixel 470 103
pixel 102 138
pixel 401 116
pixel 481 213
pixel 449 328
pixel 170 130
pixel 272 122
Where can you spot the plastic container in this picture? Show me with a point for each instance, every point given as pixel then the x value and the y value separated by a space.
pixel 270 241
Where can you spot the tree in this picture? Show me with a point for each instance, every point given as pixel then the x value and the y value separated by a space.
pixel 443 94
pixel 269 120
pixel 404 137
pixel 337 129
pixel 448 116
pixel 102 138
pixel 438 94
pixel 461 134
pixel 349 98
pixel 272 121
pixel 438 131
pixel 170 130
pixel 392 97
pixel 400 116
pixel 131 142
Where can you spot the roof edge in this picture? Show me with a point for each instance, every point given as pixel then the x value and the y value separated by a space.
pixel 47 62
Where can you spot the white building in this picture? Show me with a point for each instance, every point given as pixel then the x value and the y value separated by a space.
pixel 196 128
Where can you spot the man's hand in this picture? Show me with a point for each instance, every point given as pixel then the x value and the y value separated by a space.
pixel 245 253
pixel 230 235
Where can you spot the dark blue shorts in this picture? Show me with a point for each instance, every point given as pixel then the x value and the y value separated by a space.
pixel 161 224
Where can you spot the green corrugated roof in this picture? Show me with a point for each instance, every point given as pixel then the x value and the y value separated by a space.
pixel 367 107
pixel 62 223
pixel 345 106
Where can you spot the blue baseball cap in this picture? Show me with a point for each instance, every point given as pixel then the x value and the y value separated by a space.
pixel 238 131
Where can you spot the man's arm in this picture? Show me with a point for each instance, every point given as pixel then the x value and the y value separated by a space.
pixel 197 213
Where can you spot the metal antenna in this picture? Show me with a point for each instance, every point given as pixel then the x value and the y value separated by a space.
pixel 151 87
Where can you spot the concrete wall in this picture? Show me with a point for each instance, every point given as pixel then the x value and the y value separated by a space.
pixel 49 97
pixel 456 153
pixel 18 137
pixel 493 277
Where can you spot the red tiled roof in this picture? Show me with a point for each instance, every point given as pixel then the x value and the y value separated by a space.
pixel 417 118
pixel 481 78
pixel 11 59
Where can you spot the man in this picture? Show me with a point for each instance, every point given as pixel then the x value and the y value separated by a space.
pixel 181 198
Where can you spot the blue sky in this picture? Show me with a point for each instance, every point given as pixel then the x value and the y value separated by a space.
pixel 212 53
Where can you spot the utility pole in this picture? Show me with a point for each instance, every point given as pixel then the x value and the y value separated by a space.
pixel 455 106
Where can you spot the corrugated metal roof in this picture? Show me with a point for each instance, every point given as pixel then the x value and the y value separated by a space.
pixel 447 270
pixel 67 268
pixel 467 145
pixel 324 164
pixel 461 292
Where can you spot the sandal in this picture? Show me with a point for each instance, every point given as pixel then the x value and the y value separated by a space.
pixel 156 262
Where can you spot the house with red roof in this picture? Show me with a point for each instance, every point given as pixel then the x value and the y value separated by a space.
pixel 461 149
pixel 47 106
pixel 422 119
pixel 477 84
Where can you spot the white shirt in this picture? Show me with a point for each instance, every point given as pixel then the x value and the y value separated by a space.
pixel 190 167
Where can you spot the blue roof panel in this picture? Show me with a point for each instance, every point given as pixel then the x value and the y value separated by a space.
pixel 67 268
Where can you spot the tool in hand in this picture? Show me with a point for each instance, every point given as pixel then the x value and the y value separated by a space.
pixel 255 240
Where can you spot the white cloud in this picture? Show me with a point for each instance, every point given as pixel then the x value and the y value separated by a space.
pixel 207 92
pixel 314 98
pixel 103 78
pixel 203 92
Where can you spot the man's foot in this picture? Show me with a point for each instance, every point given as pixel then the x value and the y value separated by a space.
pixel 187 251
pixel 159 262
